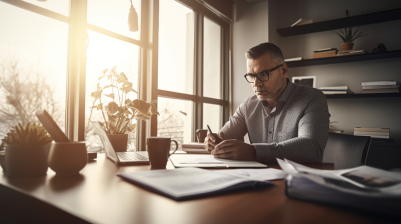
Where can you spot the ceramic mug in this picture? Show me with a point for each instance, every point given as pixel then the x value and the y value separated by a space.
pixel 159 151
pixel 201 135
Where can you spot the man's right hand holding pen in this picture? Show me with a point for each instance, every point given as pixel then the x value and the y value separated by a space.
pixel 213 139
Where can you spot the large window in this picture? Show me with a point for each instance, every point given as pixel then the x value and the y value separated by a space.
pixel 191 70
pixel 33 63
pixel 53 53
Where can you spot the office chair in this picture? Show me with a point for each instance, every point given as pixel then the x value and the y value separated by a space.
pixel 346 151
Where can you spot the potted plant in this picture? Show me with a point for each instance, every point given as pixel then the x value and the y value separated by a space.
pixel 26 150
pixel 349 36
pixel 119 112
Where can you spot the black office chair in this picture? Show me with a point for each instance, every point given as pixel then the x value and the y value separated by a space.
pixel 346 151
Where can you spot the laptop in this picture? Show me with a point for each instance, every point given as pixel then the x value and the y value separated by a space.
pixel 208 161
pixel 120 158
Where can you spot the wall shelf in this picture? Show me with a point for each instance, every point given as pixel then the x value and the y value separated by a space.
pixel 344 59
pixel 361 95
pixel 365 19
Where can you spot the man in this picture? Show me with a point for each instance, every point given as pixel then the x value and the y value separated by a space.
pixel 282 119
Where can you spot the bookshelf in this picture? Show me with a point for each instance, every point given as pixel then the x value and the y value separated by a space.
pixel 362 95
pixel 343 59
pixel 365 19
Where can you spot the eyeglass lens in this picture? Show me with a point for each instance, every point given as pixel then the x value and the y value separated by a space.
pixel 264 76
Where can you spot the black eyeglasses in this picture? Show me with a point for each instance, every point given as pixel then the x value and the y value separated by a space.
pixel 262 76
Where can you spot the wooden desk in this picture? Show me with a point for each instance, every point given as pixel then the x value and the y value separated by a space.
pixel 99 196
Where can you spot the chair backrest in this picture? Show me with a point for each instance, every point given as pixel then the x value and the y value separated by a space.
pixel 346 151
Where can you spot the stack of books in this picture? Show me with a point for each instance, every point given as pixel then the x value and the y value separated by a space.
pixel 381 87
pixel 373 132
pixel 302 21
pixel 335 90
pixel 350 52
pixel 324 53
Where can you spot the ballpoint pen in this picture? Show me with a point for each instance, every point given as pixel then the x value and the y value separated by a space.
pixel 215 135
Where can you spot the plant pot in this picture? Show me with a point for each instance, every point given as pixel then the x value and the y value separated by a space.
pixel 26 161
pixel 347 46
pixel 68 158
pixel 119 142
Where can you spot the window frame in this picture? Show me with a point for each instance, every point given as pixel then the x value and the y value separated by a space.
pixel 200 12
pixel 148 63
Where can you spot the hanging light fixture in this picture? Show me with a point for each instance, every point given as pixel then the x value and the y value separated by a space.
pixel 132 19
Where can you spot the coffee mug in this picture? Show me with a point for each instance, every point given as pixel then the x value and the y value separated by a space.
pixel 201 134
pixel 159 151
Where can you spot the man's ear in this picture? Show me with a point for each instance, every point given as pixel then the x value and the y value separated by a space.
pixel 284 72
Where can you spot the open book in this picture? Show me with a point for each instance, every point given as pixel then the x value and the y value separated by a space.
pixel 187 183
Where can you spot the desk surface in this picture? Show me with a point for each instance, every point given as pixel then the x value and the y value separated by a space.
pixel 97 195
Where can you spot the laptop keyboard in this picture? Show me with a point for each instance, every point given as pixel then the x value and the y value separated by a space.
pixel 131 156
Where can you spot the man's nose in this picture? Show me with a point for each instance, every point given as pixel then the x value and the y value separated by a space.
pixel 257 82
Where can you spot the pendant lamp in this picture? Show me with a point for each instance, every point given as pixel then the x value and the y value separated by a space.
pixel 132 19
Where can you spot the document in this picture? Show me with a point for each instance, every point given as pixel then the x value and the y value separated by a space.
pixel 258 174
pixel 187 183
pixel 363 180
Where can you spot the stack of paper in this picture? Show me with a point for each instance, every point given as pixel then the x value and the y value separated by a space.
pixel 381 87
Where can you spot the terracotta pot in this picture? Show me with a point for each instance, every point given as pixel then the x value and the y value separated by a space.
pixel 347 46
pixel 26 160
pixel 119 142
pixel 68 158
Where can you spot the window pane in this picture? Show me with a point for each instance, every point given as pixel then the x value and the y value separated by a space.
pixel 59 6
pixel 176 47
pixel 175 120
pixel 33 61
pixel 212 116
pixel 211 59
pixel 106 52
pixel 113 15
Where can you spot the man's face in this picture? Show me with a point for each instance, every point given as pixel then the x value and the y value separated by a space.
pixel 267 89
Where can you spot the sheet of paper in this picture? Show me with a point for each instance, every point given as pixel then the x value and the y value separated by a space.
pixel 258 174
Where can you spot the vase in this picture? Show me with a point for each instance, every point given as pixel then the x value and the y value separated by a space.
pixel 68 158
pixel 347 46
pixel 26 160
pixel 119 142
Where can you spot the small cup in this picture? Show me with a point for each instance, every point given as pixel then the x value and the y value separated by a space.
pixel 158 151
pixel 201 135
pixel 68 158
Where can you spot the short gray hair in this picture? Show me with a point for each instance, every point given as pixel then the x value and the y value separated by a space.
pixel 263 48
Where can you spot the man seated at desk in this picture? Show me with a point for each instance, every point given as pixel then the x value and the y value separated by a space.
pixel 282 119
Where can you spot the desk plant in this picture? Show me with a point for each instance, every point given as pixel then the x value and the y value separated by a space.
pixel 119 112
pixel 348 36
pixel 26 150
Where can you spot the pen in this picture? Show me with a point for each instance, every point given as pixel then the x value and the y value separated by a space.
pixel 210 130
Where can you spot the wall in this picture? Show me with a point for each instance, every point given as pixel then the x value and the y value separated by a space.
pixel 249 29
pixel 349 113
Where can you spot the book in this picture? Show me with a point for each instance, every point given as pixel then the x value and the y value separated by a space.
pixel 302 21
pixel 188 183
pixel 376 136
pixel 380 90
pixel 378 83
pixel 325 54
pixel 194 147
pixel 370 133
pixel 386 130
pixel 293 59
pixel 334 88
pixel 381 87
pixel 325 49
pixel 344 53
pixel 334 92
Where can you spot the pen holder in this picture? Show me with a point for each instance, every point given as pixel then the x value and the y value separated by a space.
pixel 68 158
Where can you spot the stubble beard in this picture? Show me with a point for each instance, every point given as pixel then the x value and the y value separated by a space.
pixel 270 95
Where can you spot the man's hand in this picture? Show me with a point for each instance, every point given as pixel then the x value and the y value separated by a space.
pixel 235 150
pixel 212 140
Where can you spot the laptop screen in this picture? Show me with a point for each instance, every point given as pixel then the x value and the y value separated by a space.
pixel 105 141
